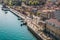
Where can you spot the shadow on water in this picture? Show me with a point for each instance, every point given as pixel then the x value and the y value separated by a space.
pixel 6 12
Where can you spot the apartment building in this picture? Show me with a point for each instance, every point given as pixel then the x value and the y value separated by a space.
pixel 53 25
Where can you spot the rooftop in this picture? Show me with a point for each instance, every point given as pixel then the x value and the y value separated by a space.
pixel 55 21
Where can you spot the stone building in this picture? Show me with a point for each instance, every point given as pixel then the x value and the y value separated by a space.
pixel 53 26
pixel 46 14
pixel 1 1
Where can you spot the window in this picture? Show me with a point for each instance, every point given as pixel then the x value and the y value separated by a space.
pixel 53 24
pixel 50 23
pixel 57 26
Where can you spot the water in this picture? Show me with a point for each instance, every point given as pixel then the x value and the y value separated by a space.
pixel 10 28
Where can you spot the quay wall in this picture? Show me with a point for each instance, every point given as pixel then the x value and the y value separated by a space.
pixel 34 33
pixel 31 27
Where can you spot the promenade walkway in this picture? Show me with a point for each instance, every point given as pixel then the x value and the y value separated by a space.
pixel 31 24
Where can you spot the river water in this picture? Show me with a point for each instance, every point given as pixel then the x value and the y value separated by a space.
pixel 11 29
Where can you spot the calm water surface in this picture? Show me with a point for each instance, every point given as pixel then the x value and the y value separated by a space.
pixel 10 28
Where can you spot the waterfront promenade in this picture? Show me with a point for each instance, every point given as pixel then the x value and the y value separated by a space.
pixel 31 25
pixel 11 29
pixel 41 17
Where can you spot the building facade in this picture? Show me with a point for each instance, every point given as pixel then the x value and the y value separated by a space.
pixel 53 28
pixel 53 25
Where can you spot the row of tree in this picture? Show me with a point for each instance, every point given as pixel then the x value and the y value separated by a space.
pixel 28 2
pixel 34 2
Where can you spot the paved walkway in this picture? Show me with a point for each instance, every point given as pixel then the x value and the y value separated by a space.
pixel 32 25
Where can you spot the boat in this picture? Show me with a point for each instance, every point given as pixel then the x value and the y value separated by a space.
pixel 5 12
pixel 19 18
pixel 5 8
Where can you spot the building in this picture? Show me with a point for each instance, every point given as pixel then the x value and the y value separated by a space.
pixel 57 15
pixel 46 14
pixel 1 1
pixel 53 25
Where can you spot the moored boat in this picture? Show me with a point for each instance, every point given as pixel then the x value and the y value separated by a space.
pixel 5 8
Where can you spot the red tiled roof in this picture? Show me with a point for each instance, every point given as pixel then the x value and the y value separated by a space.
pixel 54 21
pixel 48 10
